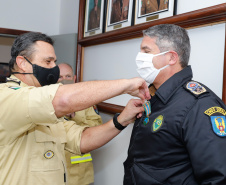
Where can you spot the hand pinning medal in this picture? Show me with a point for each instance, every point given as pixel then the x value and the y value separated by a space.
pixel 147 109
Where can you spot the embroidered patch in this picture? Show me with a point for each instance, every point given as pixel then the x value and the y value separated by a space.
pixel 214 110
pixel 218 124
pixel 15 88
pixel 195 88
pixel 96 109
pixel 157 123
pixel 217 117
pixel 49 154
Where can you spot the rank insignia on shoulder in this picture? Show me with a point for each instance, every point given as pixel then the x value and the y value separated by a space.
pixel 195 88
pixel 15 88
pixel 217 118
pixel 157 123
pixel 96 109
pixel 49 154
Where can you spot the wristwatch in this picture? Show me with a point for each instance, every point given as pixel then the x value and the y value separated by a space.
pixel 116 123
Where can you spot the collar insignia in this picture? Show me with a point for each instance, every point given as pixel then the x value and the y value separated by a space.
pixel 147 109
pixel 13 80
pixel 49 154
pixel 195 88
pixel 15 88
pixel 217 117
pixel 157 123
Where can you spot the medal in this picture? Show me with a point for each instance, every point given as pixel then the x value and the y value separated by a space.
pixel 147 109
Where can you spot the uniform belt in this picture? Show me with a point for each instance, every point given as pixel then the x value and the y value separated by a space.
pixel 81 159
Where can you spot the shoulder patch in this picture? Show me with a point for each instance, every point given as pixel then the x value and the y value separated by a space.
pixel 96 109
pixel 195 88
pixel 13 80
pixel 217 118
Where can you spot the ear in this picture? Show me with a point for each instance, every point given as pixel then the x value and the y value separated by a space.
pixel 21 63
pixel 174 58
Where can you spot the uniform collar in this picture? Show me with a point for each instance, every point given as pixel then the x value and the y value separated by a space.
pixel 15 81
pixel 168 88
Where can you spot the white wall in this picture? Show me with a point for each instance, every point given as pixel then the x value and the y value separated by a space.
pixel 191 5
pixel 65 48
pixel 52 17
pixel 69 16
pixel 42 16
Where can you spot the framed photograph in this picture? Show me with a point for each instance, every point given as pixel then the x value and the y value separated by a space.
pixel 119 14
pixel 94 17
pixel 4 71
pixel 148 10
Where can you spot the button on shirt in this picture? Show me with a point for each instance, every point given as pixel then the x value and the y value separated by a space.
pixel 32 138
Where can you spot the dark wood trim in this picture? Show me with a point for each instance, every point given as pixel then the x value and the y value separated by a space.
pixel 200 17
pixel 79 54
pixel 7 31
pixel 224 74
pixel 211 15
pixel 110 108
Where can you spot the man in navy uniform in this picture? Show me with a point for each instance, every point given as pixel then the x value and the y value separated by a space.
pixel 180 139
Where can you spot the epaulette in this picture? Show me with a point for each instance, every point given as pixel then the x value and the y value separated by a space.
pixel 195 88
pixel 13 80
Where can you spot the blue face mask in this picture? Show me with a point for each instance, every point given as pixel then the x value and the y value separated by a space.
pixel 45 76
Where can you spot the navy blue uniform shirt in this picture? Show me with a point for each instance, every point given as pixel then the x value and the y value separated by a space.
pixel 184 141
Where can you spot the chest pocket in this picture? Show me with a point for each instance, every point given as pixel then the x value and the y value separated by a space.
pixel 47 152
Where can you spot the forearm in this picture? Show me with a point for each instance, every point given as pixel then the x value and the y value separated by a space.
pixel 95 137
pixel 79 96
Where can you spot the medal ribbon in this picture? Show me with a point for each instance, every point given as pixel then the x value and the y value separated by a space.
pixel 147 109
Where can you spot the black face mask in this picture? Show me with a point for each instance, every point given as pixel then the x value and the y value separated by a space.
pixel 45 76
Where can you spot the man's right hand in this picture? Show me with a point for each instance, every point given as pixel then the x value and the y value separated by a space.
pixel 138 87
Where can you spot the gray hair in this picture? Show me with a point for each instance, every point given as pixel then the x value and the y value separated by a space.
pixel 171 37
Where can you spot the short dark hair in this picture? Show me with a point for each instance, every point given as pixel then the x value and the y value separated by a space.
pixel 23 46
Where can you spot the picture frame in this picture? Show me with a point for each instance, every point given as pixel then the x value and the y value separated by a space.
pixel 149 10
pixel 118 14
pixel 4 71
pixel 94 14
